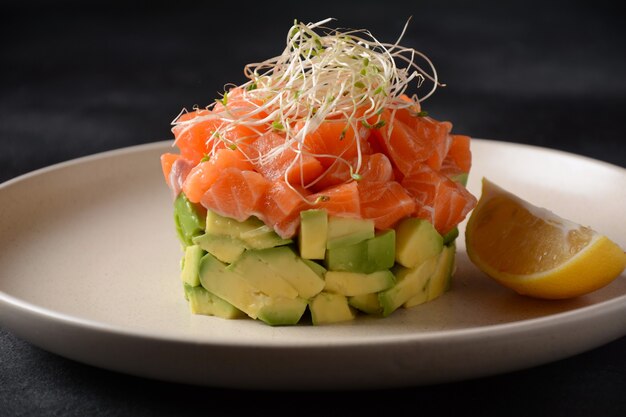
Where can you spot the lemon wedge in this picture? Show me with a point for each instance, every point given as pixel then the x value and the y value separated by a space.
pixel 535 252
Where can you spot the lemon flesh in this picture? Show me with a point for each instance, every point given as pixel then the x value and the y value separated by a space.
pixel 535 252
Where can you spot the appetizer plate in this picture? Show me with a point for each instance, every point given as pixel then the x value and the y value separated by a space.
pixel 89 269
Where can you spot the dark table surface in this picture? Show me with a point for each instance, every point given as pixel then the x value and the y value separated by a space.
pixel 78 80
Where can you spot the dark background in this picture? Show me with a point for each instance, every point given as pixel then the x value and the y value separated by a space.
pixel 78 79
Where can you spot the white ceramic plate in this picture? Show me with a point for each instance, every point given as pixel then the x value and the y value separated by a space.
pixel 89 270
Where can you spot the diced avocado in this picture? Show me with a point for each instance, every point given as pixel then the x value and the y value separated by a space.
pixel 260 275
pixel 313 233
pixel 367 303
pixel 345 231
pixel 203 302
pixel 440 281
pixel 253 232
pixel 191 265
pixel 355 283
pixel 187 289
pixel 225 248
pixel 221 225
pixel 347 258
pixel 381 251
pixel 370 255
pixel 316 267
pixel 280 311
pixel 230 286
pixel 410 282
pixel 419 298
pixel 233 288
pixel 416 241
pixel 189 219
pixel 330 308
pixel 451 236
pixel 460 178
pixel 262 237
pixel 286 264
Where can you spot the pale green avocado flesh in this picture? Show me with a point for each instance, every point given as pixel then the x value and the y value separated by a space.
pixel 335 269
pixel 189 219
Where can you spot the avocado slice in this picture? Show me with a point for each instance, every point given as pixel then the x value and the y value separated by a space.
pixel 367 256
pixel 367 303
pixel 316 267
pixel 262 237
pixel 410 283
pixel 381 250
pixel 223 247
pixel 312 234
pixel 252 232
pixel 461 178
pixel 280 311
pixel 259 274
pixel 191 265
pixel 230 286
pixel 345 231
pixel 355 283
pixel 451 236
pixel 220 225
pixel 203 302
pixel 216 278
pixel 440 281
pixel 348 258
pixel 416 241
pixel 189 219
pixel 328 308
pixel 305 277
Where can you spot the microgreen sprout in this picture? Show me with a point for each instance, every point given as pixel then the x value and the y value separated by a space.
pixel 276 125
pixel 344 75
pixel 224 99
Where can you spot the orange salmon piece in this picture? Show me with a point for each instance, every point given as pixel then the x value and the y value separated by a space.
pixel 340 200
pixel 203 175
pixel 281 208
pixel 301 169
pixel 422 140
pixel 193 137
pixel 240 105
pixel 458 202
pixel 282 205
pixel 439 200
pixel 335 174
pixel 407 114
pixel 374 167
pixel 176 169
pixel 336 138
pixel 167 160
pixel 459 157
pixel 194 130
pixel 236 194
pixel 236 136
pixel 384 202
